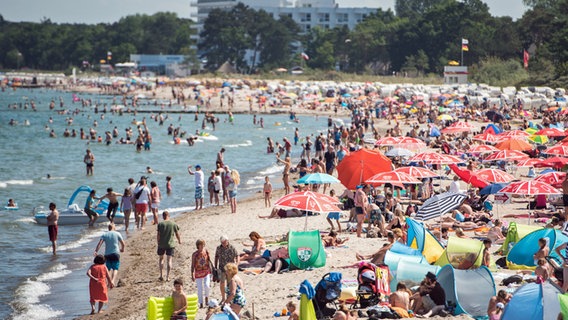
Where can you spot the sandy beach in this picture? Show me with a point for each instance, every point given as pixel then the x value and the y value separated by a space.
pixel 266 293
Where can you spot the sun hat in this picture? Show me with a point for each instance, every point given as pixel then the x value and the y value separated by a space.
pixel 213 303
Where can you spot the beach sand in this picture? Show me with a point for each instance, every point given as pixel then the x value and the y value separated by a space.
pixel 266 293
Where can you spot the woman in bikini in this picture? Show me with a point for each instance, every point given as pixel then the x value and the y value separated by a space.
pixel 286 173
pixel 235 289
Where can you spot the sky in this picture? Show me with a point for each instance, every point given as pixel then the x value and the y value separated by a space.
pixel 108 11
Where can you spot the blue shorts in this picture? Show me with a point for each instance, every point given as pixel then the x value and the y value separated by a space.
pixel 333 215
pixel 199 193
pixel 233 194
pixel 112 261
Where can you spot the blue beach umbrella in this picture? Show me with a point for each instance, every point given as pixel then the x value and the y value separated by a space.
pixel 317 178
pixel 492 188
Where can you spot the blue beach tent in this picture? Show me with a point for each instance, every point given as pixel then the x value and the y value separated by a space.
pixel 467 289
pixel 521 255
pixel 534 301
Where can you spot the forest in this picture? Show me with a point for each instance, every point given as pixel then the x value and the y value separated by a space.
pixel 418 38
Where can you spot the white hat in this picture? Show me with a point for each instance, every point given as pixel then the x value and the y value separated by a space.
pixel 213 303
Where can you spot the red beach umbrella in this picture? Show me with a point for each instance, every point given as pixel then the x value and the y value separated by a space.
pixel 411 143
pixel 558 150
pixel 529 162
pixel 482 148
pixel 458 126
pixel 554 162
pixel 393 177
pixel 488 137
pixel 514 133
pixel 551 132
pixel 417 172
pixel 361 165
pixel 388 141
pixel 307 201
pixel 509 155
pixel 552 178
pixel 494 175
pixel 530 188
pixel 435 158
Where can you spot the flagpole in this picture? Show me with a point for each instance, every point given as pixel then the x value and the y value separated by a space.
pixel 461 61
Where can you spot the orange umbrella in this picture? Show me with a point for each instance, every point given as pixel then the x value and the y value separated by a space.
pixel 514 144
pixel 361 165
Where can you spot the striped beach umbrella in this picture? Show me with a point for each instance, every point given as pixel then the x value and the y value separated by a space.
pixel 440 204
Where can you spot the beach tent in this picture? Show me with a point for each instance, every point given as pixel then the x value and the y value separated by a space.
pixel 468 289
pixel 421 239
pixel 411 273
pixel 516 232
pixel 227 68
pixel 404 249
pixel 392 259
pixel 462 253
pixel 306 249
pixel 162 308
pixel 534 301
pixel 521 255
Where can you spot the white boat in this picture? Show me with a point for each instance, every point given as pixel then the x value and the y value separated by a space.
pixel 74 215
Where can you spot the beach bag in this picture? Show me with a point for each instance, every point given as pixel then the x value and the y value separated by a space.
pixel 138 194
pixel 215 276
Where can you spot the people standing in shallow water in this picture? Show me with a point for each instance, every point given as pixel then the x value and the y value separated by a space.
pixel 89 161
pixel 52 229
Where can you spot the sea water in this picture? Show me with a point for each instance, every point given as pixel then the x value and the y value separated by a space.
pixel 37 285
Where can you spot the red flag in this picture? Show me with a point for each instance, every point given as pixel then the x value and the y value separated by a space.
pixel 526 58
pixel 305 56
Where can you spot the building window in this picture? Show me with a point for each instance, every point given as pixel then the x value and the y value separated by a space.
pixel 308 17
pixel 324 17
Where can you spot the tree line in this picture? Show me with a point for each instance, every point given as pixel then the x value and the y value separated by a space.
pixel 51 46
pixel 419 37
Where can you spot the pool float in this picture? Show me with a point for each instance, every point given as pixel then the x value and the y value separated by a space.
pixel 162 308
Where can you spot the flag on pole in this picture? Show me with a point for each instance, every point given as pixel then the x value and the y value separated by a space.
pixel 305 56
pixel 526 58
pixel 109 55
pixel 465 44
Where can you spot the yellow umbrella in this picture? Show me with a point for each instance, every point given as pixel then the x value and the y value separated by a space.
pixel 453 63
pixel 530 131
pixel 540 139
pixel 445 117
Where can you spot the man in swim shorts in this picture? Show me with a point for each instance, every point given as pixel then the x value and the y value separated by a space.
pixel 114 245
pixel 199 184
pixel 113 203
pixel 167 229
pixel 89 161
pixel 52 229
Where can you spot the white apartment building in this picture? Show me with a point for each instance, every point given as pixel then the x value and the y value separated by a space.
pixel 306 13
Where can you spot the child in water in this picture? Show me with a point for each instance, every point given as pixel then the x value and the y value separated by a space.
pixel 99 279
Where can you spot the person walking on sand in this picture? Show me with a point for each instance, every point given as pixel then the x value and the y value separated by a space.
pixel 225 253
pixel 232 188
pixel 126 206
pixel 201 272
pixel 143 198
pixel 52 228
pixel 167 229
pixel 98 283
pixel 89 161
pixel 199 184
pixel 267 190
pixel 211 186
pixel 113 203
pixel 217 185
pixel 114 245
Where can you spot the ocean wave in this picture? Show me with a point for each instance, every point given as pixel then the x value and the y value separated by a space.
pixel 209 137
pixel 247 143
pixel 273 169
pixel 4 184
pixel 27 295
pixel 179 209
